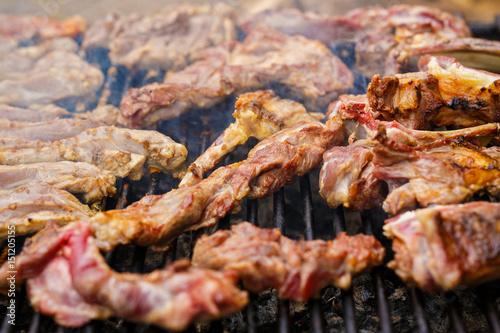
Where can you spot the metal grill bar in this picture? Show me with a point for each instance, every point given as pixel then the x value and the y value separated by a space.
pixel 252 217
pixel 382 303
pixel 317 320
pixel 279 223
pixel 418 310
pixel 454 312
pixel 490 308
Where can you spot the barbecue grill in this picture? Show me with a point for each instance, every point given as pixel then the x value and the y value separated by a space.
pixel 378 301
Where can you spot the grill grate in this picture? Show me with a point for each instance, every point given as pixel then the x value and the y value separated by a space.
pixel 118 80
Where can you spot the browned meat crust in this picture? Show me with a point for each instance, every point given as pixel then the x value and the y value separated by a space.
pixel 274 162
pixel 258 114
pixel 447 94
pixel 264 258
pixel 447 247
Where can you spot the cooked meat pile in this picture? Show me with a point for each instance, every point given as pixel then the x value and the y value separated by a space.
pixel 384 39
pixel 169 39
pixel 156 220
pixel 305 67
pixel 264 258
pixel 446 247
pixel 28 208
pixel 259 115
pixel 68 278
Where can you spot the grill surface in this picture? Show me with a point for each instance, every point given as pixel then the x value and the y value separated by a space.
pixel 377 302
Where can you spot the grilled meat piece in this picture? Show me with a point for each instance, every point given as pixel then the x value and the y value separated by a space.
pixel 362 122
pixel 274 162
pixel 446 247
pixel 85 180
pixel 447 94
pixel 259 114
pixel 305 67
pixel 408 168
pixel 46 131
pixel 473 52
pixel 22 28
pixel 28 208
pixel 56 76
pixel 378 34
pixel 17 63
pixel 171 298
pixel 347 177
pixel 119 150
pixel 33 113
pixel 264 258
pixel 168 39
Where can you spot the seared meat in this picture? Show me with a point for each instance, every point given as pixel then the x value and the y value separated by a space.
pixel 264 258
pixel 360 119
pixel 274 162
pixel 21 28
pixel 377 33
pixel 56 76
pixel 171 298
pixel 28 208
pixel 85 180
pixel 441 173
pixel 46 131
pixel 169 39
pixel 259 114
pixel 121 151
pixel 446 94
pixel 17 63
pixel 347 177
pixel 410 168
pixel 305 67
pixel 474 52
pixel 33 113
pixel 447 247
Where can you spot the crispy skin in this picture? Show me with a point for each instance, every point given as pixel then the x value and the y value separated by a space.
pixel 171 298
pixel 440 173
pixel 274 162
pixel 447 94
pixel 168 39
pixel 119 150
pixel 29 208
pixel 305 67
pixel 85 180
pixel 25 27
pixel 56 76
pixel 258 114
pixel 264 258
pixel 380 35
pixel 446 247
